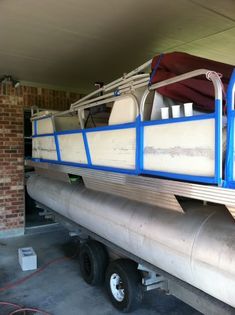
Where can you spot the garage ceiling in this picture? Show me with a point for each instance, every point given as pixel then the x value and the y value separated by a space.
pixel 72 43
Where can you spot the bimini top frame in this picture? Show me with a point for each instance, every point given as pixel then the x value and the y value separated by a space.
pixel 125 84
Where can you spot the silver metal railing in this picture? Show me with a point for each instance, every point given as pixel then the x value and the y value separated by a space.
pixel 130 82
pixel 133 75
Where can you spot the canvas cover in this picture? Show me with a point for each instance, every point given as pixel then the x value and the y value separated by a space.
pixel 198 90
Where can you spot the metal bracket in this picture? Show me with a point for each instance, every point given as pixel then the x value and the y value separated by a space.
pixel 151 280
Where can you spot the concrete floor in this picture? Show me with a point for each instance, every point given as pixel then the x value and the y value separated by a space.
pixel 59 289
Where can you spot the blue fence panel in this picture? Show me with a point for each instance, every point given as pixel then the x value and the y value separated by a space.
pixel 217 178
pixel 139 169
pixel 108 128
pixel 230 158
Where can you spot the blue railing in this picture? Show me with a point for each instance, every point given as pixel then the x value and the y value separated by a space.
pixel 217 178
pixel 229 165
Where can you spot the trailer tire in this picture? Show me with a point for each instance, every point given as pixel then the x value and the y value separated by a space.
pixel 123 284
pixel 93 259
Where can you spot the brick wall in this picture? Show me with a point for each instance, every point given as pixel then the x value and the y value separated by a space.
pixel 13 101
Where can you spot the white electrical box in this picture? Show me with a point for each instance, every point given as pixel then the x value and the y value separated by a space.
pixel 27 258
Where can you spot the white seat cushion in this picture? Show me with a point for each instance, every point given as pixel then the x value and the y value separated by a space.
pixel 125 110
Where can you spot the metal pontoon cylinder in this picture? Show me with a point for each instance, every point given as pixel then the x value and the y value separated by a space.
pixel 198 247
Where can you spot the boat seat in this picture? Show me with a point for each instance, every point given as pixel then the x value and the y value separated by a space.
pixel 124 110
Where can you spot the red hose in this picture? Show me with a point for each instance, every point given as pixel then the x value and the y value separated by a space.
pixel 22 309
pixel 22 280
pixel 28 309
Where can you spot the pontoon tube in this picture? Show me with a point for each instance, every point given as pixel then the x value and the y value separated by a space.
pixel 197 247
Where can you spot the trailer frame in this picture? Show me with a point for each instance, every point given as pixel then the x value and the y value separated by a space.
pixel 155 278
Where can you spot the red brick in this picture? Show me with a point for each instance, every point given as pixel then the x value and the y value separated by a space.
pixel 12 104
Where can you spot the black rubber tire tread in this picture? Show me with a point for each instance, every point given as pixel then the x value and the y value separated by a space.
pixel 131 278
pixel 98 258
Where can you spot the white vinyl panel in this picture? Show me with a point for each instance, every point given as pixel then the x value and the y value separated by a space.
pixel 33 129
pixel 35 151
pixel 44 126
pixel 182 148
pixel 113 148
pixel 44 148
pixel 72 148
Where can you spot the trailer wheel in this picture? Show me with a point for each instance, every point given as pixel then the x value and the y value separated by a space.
pixel 123 283
pixel 93 260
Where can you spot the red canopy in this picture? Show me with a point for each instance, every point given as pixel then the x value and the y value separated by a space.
pixel 198 90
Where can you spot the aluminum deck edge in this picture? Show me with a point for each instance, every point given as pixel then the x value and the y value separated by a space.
pixel 210 193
